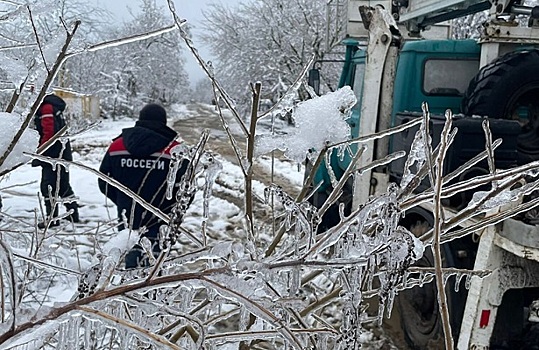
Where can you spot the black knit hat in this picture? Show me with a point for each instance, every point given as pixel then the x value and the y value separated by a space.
pixel 153 112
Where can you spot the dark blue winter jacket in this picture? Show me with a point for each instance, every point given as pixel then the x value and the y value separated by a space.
pixel 139 159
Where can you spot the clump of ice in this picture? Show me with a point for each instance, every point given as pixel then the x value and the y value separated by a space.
pixel 14 69
pixel 319 121
pixel 11 123
pixel 123 240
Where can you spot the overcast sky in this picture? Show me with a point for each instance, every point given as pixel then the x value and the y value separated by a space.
pixel 188 9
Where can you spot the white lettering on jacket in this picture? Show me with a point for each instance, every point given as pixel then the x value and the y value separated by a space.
pixel 142 163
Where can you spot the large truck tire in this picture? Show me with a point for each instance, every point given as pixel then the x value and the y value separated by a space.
pixel 418 309
pixel 508 88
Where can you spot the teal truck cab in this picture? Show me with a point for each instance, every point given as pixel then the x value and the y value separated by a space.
pixel 497 76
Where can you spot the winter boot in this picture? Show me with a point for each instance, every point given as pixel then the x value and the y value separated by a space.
pixel 74 216
pixel 49 221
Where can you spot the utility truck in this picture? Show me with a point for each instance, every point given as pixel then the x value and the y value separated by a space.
pixel 398 55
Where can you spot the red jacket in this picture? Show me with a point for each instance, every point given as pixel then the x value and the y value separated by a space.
pixel 49 120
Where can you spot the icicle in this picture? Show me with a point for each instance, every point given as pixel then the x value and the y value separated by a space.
pixel 212 168
pixel 177 154
pixel 405 279
pixel 88 329
pixel 322 341
pixel 187 296
pixel 329 169
pixel 458 279
pixel 422 279
pixel 107 268
pixel 146 245
pixel 295 281
pixel 62 337
pixel 446 278
pixel 72 332
pixel 416 156
pixel 468 281
pixel 244 319
pixel 341 151
pixel 370 276
pixel 390 302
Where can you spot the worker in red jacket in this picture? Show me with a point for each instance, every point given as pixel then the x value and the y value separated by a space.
pixel 49 120
pixel 140 159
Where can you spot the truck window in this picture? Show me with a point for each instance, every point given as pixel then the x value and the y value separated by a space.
pixel 448 76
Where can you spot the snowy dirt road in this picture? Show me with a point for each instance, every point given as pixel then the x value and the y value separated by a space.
pixel 205 117
pixel 228 189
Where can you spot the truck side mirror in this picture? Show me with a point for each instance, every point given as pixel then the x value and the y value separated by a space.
pixel 314 80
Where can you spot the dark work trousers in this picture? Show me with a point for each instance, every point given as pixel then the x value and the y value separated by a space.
pixel 49 177
pixel 136 257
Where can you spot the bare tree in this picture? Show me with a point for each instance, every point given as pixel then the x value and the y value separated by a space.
pixel 270 42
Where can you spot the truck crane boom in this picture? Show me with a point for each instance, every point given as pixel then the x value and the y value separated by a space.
pixel 420 14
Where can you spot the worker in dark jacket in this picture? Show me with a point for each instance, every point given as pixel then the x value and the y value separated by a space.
pixel 49 120
pixel 139 159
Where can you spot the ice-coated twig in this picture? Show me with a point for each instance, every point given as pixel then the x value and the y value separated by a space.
pixel 473 161
pixel 335 263
pixel 379 134
pixel 16 47
pixel 10 14
pixel 427 142
pixel 292 89
pixel 469 184
pixel 381 162
pixel 488 147
pixel 307 183
pixel 437 178
pixel 41 149
pixel 490 220
pixel 122 41
pixel 46 265
pixel 265 334
pixel 300 216
pixel 185 193
pixel 7 266
pixel 323 153
pixel 336 192
pixel 450 271
pixel 56 313
pixel 231 138
pixel 198 337
pixel 474 208
pixel 36 35
pixel 256 90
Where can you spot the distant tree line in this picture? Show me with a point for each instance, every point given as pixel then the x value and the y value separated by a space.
pixel 269 41
pixel 124 77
